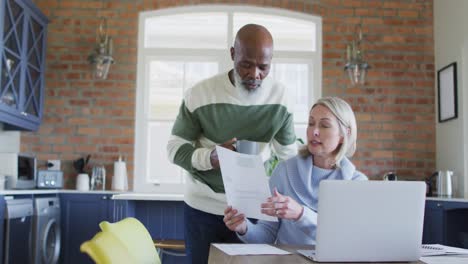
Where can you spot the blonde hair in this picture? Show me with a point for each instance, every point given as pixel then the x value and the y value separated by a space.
pixel 347 125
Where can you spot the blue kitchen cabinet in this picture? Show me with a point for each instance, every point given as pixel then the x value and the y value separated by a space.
pixel 23 36
pixel 433 223
pixel 80 218
pixel 81 214
pixel 121 209
pixel 164 221
pixel 445 223
pixel 456 227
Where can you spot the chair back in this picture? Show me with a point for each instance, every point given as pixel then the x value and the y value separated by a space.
pixel 136 238
pixel 105 248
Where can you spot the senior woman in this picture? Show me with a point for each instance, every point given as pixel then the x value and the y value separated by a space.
pixel 331 140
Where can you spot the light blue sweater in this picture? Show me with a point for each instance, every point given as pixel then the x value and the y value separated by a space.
pixel 299 179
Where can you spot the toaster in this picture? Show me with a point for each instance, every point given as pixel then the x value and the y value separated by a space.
pixel 49 179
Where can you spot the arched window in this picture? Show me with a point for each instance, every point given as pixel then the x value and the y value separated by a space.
pixel 178 47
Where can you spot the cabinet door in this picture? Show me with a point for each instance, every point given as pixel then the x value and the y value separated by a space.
pixel 164 221
pixel 22 62
pixel 434 226
pixel 81 215
pixel 11 40
pixel 456 227
pixel 34 68
pixel 121 209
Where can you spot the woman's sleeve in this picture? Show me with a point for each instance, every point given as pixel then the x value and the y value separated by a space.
pixel 359 176
pixel 261 232
pixel 308 221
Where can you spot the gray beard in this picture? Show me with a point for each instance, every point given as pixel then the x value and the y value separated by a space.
pixel 241 89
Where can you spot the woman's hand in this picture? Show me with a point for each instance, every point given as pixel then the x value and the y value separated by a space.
pixel 234 221
pixel 282 206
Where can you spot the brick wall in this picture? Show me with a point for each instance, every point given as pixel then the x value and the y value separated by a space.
pixel 395 109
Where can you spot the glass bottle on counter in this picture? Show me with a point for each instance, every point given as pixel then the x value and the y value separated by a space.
pixel 98 178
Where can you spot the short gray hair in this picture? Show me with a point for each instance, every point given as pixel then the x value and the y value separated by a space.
pixel 347 125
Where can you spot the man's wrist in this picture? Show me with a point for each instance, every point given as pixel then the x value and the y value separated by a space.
pixel 213 156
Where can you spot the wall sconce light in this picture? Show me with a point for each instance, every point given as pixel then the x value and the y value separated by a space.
pixel 356 67
pixel 101 58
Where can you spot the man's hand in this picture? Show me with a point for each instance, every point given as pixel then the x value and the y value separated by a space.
pixel 214 155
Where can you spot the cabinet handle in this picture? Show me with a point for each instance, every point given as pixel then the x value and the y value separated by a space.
pixel 439 204
pixel 24 113
pixel 104 197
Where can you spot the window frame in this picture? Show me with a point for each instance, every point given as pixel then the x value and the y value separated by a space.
pixel 145 55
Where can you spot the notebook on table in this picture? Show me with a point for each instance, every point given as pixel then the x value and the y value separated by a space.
pixel 369 221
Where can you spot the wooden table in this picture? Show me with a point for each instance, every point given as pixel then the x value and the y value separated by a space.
pixel 219 257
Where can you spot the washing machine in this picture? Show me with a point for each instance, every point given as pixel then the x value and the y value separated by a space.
pixel 46 230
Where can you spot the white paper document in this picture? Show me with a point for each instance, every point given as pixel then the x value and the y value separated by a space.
pixel 245 182
pixel 438 250
pixel 250 249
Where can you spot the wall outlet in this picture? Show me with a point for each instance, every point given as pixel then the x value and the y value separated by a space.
pixel 54 164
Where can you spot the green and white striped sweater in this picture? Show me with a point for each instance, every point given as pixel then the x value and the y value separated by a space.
pixel 215 111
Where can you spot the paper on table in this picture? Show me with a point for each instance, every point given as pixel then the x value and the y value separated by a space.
pixel 445 259
pixel 250 249
pixel 245 182
pixel 438 250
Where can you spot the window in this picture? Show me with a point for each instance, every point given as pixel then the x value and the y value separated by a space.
pixel 179 47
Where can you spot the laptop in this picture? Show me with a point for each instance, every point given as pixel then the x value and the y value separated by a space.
pixel 369 221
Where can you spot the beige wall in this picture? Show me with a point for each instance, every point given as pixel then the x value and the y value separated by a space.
pixel 451 45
